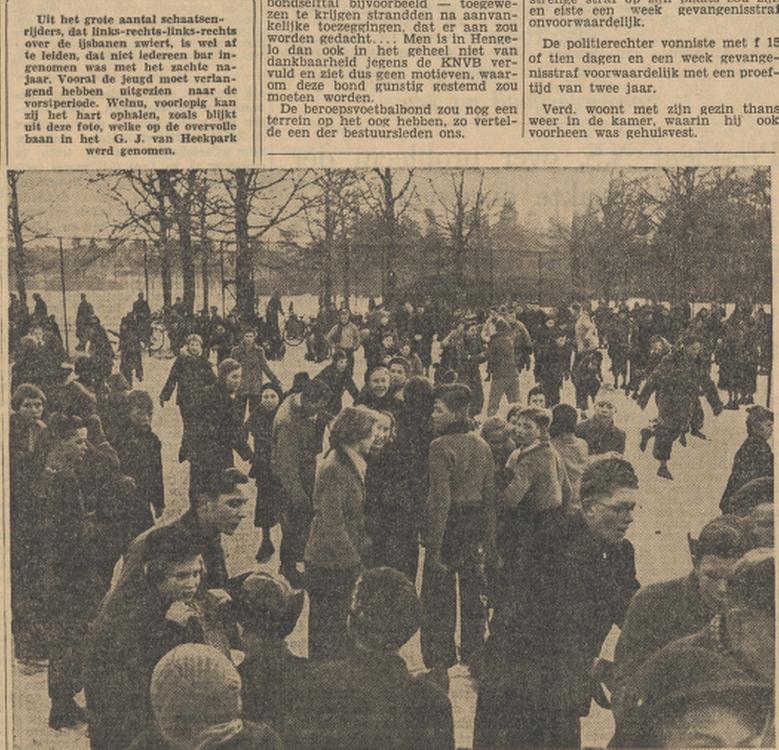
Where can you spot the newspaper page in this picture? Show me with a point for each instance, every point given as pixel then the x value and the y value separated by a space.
pixel 388 373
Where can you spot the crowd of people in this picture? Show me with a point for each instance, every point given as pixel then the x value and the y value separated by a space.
pixel 513 528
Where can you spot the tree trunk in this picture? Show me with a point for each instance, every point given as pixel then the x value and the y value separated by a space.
pixel 165 274
pixel 16 229
pixel 205 252
pixel 244 281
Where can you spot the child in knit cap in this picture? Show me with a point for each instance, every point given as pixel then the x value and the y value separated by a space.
pixel 196 699
pixel 599 431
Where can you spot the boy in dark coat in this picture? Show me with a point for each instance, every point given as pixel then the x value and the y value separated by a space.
pixel 586 377
pixel 599 431
pixel 663 612
pixel 338 378
pixel 217 428
pixel 369 699
pixel 542 665
pixel 140 455
pixel 754 458
pixel 190 374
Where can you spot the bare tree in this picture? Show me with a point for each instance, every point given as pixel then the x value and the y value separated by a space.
pixel 462 218
pixel 390 202
pixel 16 224
pixel 146 210
pixel 255 203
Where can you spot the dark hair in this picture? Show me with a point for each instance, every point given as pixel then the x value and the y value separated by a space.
pixel 455 396
pixel 339 353
pixel 564 419
pixel 418 395
pixel 752 581
pixel 140 400
pixel 757 415
pixel 268 604
pixel 64 426
pixel 83 367
pixel 385 609
pixel 166 546
pixel 542 417
pixel 400 361
pixel 226 366
pixel 271 386
pixel 536 390
pixel 604 476
pixel 24 391
pixel 220 483
pixel 725 536
pixel 747 497
pixel 316 391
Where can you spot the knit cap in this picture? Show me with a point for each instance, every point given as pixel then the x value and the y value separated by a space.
pixel 195 689
pixel 385 610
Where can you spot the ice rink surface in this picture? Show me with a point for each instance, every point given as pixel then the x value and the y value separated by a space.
pixel 667 511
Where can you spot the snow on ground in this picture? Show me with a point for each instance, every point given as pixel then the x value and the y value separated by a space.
pixel 666 513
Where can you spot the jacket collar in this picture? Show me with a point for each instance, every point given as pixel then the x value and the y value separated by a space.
pixel 456 428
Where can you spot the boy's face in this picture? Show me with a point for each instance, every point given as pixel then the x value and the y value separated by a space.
pixel 195 348
pixel 226 511
pixel 249 337
pixel 526 431
pixel 233 380
pixel 31 409
pixel 379 382
pixel 537 400
pixel 712 572
pixel 181 580
pixel 605 410
pixel 340 364
pixel 609 517
pixel 139 417
pixel 442 416
pixel 269 399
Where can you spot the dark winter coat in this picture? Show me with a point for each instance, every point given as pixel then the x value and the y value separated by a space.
pixel 555 618
pixel 500 356
pixel 269 489
pixel 753 459
pixel 601 436
pixel 217 431
pixel 188 376
pixel 140 456
pixel 338 382
pixel 387 402
pixel 677 382
pixel 128 638
pixel 370 700
pixel 338 537
pixel 271 681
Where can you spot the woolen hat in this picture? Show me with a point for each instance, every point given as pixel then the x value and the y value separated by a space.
pixel 194 686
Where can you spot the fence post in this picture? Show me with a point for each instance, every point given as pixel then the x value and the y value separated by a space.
pixel 146 269
pixel 64 299
pixel 222 272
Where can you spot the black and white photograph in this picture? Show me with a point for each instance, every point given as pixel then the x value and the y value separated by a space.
pixel 390 458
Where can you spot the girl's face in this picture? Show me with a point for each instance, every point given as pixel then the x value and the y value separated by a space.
pixel 379 382
pixel 139 417
pixel 382 432
pixel 195 348
pixel 398 374
pixel 31 409
pixel 269 399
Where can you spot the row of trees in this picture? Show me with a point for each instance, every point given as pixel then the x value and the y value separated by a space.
pixel 670 233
